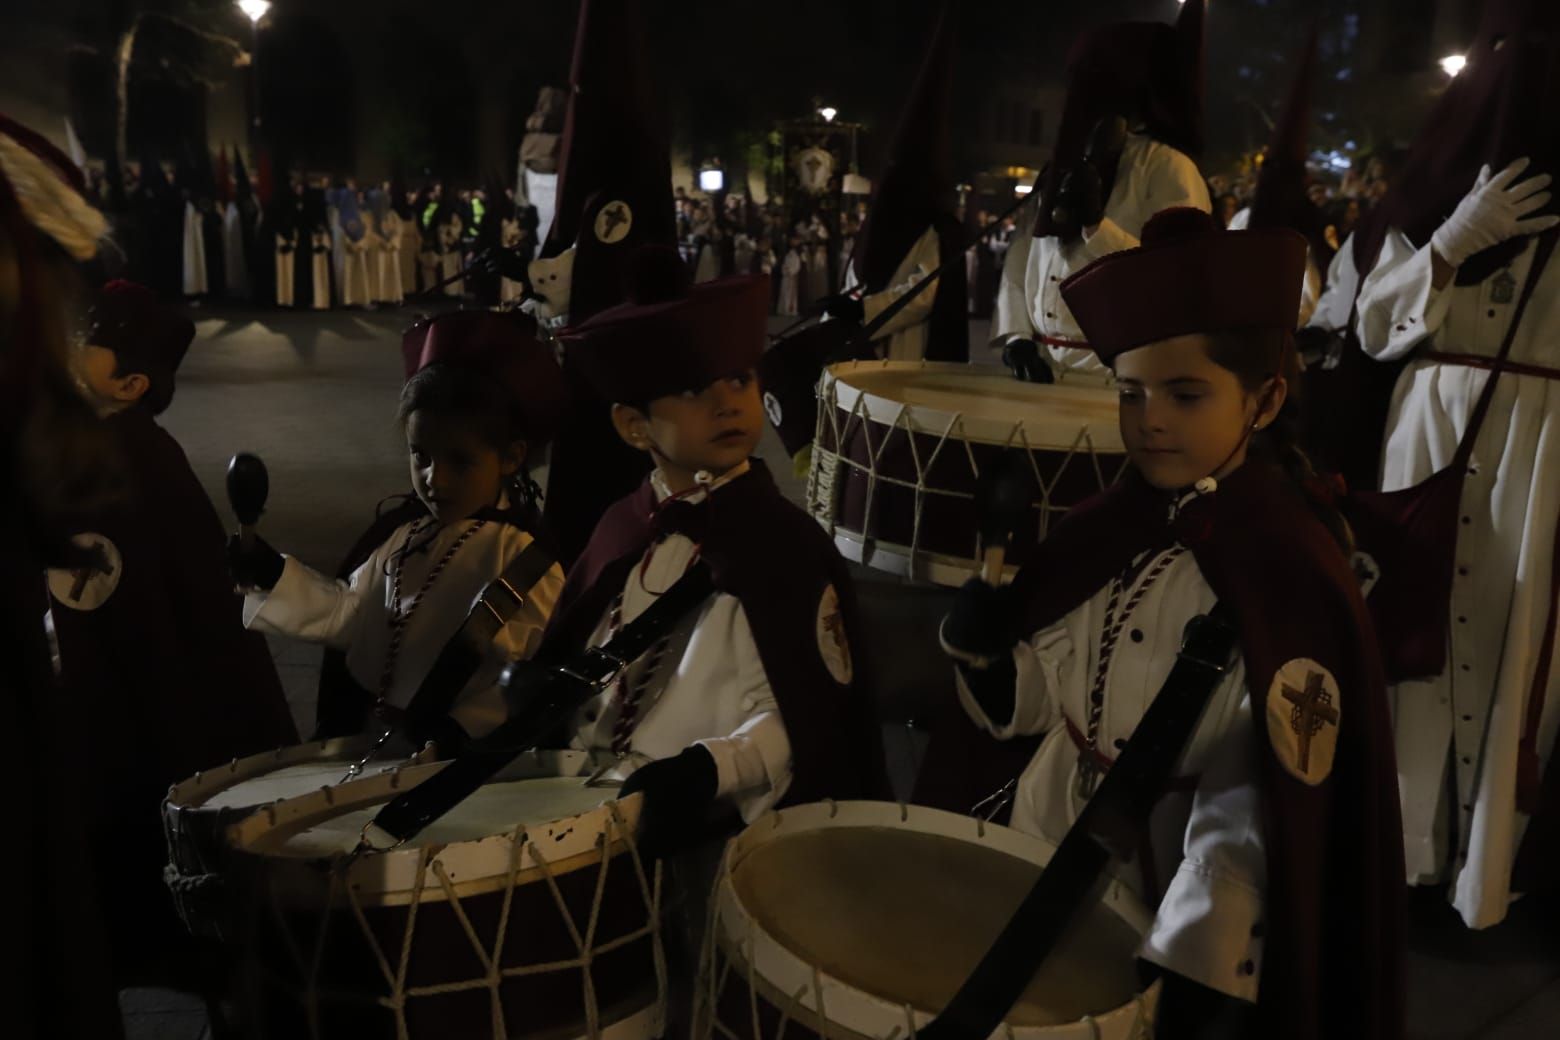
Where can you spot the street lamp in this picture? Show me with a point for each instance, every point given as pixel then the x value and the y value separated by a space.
pixel 1452 64
pixel 712 179
pixel 828 113
pixel 254 9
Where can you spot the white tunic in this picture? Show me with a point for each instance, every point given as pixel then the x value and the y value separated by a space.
pixel 904 336
pixel 353 615
pixel 1208 924
pixel 1472 715
pixel 387 259
pixel 1150 177
pixel 320 268
pixel 194 252
pixel 1336 302
pixel 235 265
pixel 356 270
pixel 709 688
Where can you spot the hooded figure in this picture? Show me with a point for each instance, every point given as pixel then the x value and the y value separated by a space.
pixel 1456 278
pixel 237 209
pixel 614 195
pixel 536 184
pixel 187 182
pixel 357 261
pixel 1281 199
pixel 1106 188
pixel 911 229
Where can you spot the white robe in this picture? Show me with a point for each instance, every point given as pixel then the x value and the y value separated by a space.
pixel 387 260
pixel 1207 925
pixel 790 283
pixel 709 689
pixel 356 271
pixel 449 256
pixel 194 252
pixel 235 264
pixel 1336 303
pixel 541 189
pixel 320 268
pixel 353 615
pixel 904 336
pixel 1470 718
pixel 286 266
pixel 1151 177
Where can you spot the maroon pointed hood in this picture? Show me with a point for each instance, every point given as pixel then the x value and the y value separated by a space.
pixel 615 150
pixel 1281 200
pixel 1505 104
pixel 1150 72
pixel 915 187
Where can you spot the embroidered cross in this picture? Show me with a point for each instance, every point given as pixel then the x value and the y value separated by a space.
pixel 834 627
pixel 1312 710
pixel 611 217
pixel 99 565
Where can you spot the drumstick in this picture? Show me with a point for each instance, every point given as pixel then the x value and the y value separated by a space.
pixel 1004 496
pixel 248 486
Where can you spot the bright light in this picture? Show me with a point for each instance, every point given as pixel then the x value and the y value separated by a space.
pixel 1020 190
pixel 712 180
pixel 828 114
pixel 255 9
pixel 1452 64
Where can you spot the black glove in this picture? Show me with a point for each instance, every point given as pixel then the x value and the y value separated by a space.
pixel 844 307
pixel 981 622
pixel 678 792
pixel 258 567
pixel 1080 199
pixel 1194 1011
pixel 1022 357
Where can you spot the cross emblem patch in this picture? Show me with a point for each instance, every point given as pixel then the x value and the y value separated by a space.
pixel 1303 712
pixel 88 586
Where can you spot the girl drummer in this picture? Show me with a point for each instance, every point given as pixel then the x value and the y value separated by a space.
pixel 481 392
pixel 1274 855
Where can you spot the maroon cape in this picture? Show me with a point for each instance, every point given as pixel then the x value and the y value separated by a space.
pixel 162 677
pixel 1334 918
pixel 777 561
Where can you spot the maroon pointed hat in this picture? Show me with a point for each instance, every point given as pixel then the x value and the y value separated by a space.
pixel 1503 105
pixel 615 169
pixel 502 345
pixel 1189 275
pixel 1280 199
pixel 670 336
pixel 1151 72
pixel 915 187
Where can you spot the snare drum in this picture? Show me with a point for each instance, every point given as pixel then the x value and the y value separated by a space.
pixel 900 447
pixel 862 919
pixel 198 811
pixel 523 912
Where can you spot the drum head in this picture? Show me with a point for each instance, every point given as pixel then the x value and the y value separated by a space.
pixel 871 903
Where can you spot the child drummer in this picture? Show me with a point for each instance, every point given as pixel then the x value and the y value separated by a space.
pixel 754 699
pixel 482 392
pixel 1277 843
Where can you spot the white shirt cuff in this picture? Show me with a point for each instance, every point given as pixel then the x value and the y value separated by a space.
pixel 753 761
pixel 1209 929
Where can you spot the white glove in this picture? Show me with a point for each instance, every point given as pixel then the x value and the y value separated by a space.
pixel 1495 210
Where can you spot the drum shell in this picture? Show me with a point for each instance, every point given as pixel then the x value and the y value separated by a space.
pixel 337 945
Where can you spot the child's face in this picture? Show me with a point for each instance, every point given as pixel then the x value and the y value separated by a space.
pixel 1183 417
pixel 715 429
pixel 454 471
pixel 94 368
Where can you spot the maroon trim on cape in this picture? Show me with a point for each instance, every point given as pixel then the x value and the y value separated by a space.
pixel 777 562
pixel 1334 903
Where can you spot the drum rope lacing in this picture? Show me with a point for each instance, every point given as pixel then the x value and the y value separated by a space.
pixel 822 495
pixel 309 963
pixel 1088 762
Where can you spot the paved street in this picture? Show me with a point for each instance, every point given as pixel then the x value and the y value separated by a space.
pixel 315 396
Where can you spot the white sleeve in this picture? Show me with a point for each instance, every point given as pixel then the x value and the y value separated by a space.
pixel 1011 319
pixel 924 258
pixel 1209 925
pixel 305 604
pixel 1337 299
pixel 1041 664
pixel 1399 307
pixel 753 762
